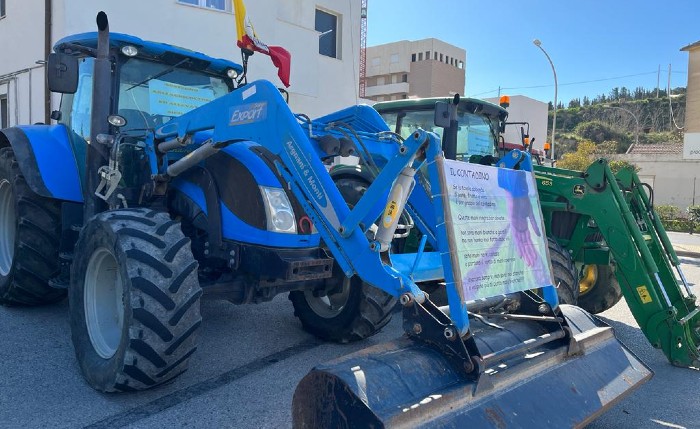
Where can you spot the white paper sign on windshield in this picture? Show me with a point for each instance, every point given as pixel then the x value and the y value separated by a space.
pixel 172 99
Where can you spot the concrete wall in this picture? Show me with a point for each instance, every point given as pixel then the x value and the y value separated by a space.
pixel 435 79
pixel 526 109
pixel 675 181
pixel 319 84
pixel 692 104
pixel 691 146
pixel 22 37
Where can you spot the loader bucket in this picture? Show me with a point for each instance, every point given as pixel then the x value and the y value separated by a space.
pixel 409 383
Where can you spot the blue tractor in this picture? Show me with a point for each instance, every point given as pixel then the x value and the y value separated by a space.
pixel 92 201
pixel 169 176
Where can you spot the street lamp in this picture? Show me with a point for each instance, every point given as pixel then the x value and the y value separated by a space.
pixel 554 118
pixel 636 129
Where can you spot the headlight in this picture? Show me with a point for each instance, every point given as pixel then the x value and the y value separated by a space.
pixel 130 51
pixel 232 73
pixel 280 215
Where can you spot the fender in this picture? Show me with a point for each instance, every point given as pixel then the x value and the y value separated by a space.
pixel 240 217
pixel 46 159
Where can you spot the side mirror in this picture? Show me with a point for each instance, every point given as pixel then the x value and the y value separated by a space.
pixel 442 114
pixel 62 72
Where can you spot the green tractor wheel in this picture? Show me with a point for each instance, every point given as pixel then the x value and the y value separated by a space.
pixel 599 289
pixel 564 273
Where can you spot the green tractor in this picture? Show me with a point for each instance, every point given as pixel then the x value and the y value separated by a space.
pixel 580 257
pixel 605 222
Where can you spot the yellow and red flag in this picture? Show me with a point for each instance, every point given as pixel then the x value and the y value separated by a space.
pixel 247 39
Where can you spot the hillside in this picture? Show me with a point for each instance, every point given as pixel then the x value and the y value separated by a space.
pixel 609 120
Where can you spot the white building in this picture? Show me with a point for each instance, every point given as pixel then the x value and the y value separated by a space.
pixel 325 69
pixel 526 109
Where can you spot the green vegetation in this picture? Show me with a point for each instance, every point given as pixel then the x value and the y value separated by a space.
pixel 608 120
pixel 675 219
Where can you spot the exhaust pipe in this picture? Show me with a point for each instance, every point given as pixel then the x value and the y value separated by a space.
pixel 97 154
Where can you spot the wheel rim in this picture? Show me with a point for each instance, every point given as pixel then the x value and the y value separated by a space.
pixel 8 226
pixel 104 305
pixel 329 306
pixel 588 279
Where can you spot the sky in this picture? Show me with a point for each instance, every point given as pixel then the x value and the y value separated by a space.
pixel 605 43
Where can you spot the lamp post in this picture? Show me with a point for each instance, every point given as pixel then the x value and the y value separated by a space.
pixel 636 120
pixel 554 117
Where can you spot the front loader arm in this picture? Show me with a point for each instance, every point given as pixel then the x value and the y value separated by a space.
pixel 665 311
pixel 258 113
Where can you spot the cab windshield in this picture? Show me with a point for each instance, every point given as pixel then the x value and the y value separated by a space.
pixel 151 94
pixel 475 135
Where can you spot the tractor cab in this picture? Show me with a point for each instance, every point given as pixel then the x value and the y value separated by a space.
pixel 150 83
pixel 472 126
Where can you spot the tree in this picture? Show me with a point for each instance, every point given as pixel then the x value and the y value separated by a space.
pixel 586 101
pixel 618 164
pixel 579 160
pixel 615 94
pixel 575 102
pixel 595 131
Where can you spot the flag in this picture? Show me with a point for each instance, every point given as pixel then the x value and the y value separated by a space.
pixel 247 39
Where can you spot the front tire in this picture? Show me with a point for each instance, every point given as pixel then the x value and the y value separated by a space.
pixel 134 300
pixel 600 289
pixel 30 233
pixel 564 273
pixel 356 310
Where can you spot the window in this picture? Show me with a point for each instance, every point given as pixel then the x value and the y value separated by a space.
pixel 158 100
pixel 394 58
pixel 404 78
pixel 474 135
pixel 376 61
pixel 440 57
pixel 75 108
pixel 427 55
pixel 447 59
pixel 420 56
pixel 224 5
pixel 413 58
pixel 2 13
pixel 461 64
pixel 327 27
pixel 435 55
pixel 4 111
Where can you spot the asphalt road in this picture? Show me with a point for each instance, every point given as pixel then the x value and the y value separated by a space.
pixel 245 371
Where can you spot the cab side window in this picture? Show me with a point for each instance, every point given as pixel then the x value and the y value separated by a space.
pixel 75 108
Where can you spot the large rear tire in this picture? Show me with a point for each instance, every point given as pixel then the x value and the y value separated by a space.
pixel 30 233
pixel 599 287
pixel 564 273
pixel 134 300
pixel 356 310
